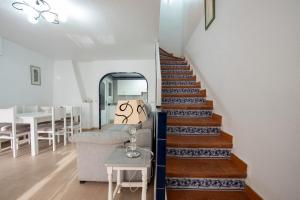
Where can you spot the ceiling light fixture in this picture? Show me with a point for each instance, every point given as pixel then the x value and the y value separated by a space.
pixel 36 9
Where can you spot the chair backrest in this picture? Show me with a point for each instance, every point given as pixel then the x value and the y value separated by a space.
pixel 46 109
pixel 30 109
pixel 76 111
pixel 59 113
pixel 19 109
pixel 8 115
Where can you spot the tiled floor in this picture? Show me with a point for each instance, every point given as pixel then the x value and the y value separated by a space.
pixel 50 175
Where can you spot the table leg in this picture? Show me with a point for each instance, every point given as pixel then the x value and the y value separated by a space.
pixel 110 192
pixel 144 184
pixel 33 138
pixel 119 181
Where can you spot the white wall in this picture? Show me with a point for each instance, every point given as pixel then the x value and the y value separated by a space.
pixel 90 74
pixel 249 60
pixel 65 87
pixel 15 82
pixel 131 87
pixel 170 29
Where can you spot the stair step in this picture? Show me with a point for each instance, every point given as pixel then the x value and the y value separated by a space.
pixel 207 105
pixel 179 113
pixel 175 71
pixel 182 100
pixel 206 168
pixel 210 195
pixel 194 130
pixel 197 153
pixel 176 76
pixel 179 83
pixel 173 62
pixel 199 146
pixel 195 85
pixel 180 67
pixel 193 78
pixel 223 140
pixel 215 120
pixel 180 91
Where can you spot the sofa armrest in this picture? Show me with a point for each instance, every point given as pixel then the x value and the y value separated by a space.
pixel 106 137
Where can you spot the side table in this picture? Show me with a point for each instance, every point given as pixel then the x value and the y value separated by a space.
pixel 119 162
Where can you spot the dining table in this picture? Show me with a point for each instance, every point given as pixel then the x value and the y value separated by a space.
pixel 33 119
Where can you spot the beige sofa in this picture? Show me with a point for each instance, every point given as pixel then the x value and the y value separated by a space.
pixel 93 150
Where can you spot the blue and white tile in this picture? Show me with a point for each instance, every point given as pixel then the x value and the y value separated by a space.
pixel 176 76
pixel 220 153
pixel 188 113
pixel 181 91
pixel 194 130
pixel 176 83
pixel 176 70
pixel 206 183
pixel 183 100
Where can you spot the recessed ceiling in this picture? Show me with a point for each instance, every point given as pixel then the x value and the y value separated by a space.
pixel 96 29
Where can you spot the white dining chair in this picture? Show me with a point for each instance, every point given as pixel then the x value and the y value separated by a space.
pixel 56 127
pixel 30 109
pixel 9 131
pixel 73 120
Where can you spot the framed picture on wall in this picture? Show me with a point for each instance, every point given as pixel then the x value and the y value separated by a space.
pixel 209 9
pixel 35 73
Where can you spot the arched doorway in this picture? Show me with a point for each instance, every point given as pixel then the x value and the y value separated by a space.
pixel 119 86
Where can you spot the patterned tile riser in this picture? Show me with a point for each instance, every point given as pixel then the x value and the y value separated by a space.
pixel 181 91
pixel 173 63
pixel 176 70
pixel 193 130
pixel 183 100
pixel 199 152
pixel 176 76
pixel 176 83
pixel 188 113
pixel 205 183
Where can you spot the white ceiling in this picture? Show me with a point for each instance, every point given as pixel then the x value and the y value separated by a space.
pixel 96 29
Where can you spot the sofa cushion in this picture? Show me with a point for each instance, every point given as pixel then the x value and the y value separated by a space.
pixel 105 138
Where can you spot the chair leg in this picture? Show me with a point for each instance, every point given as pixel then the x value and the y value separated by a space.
pixel 58 138
pixel 28 138
pixel 17 143
pixel 14 148
pixel 53 141
pixel 65 138
pixel 50 142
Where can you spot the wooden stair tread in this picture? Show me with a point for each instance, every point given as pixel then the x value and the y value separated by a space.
pixel 221 141
pixel 208 105
pixel 206 195
pixel 215 120
pixel 204 168
pixel 185 72
pixel 193 78
pixel 197 85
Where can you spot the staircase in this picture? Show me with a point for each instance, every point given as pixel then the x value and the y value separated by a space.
pixel 200 164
